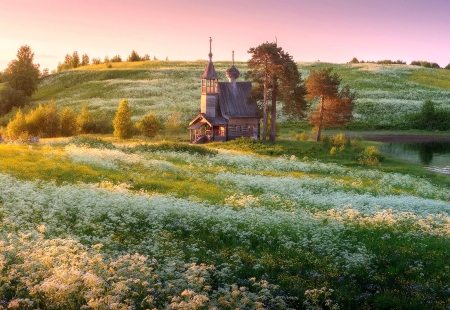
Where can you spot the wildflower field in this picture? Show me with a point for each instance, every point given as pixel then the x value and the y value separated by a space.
pixel 88 224
pixel 386 94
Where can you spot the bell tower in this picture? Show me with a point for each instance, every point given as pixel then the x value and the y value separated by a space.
pixel 209 91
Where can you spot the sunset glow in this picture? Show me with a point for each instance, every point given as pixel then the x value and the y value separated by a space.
pixel 326 30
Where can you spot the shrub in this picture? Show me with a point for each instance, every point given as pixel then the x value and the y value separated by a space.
pixel 302 137
pixel 173 123
pixel 123 126
pixel 371 156
pixel 149 125
pixel 116 58
pixel 326 141
pixel 339 141
pixel 35 120
pixel 68 122
pixel 357 145
pixel 17 128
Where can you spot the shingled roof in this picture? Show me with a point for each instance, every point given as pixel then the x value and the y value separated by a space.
pixel 210 72
pixel 233 100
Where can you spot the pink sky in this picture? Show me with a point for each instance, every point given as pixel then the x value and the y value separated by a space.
pixel 326 30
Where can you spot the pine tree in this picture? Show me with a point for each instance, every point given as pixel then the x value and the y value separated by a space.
pixel 335 106
pixel 123 126
pixel 277 78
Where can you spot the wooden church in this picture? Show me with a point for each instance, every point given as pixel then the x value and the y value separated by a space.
pixel 226 112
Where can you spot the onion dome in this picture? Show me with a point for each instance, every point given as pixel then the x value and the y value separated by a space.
pixel 232 73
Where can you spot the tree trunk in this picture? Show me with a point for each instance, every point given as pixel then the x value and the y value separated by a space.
pixel 264 134
pixel 322 108
pixel 273 122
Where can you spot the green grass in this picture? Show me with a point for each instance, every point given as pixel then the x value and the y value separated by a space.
pixel 408 265
pixel 386 94
pixel 433 78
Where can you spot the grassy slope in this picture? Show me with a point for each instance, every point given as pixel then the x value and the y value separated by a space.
pixel 386 93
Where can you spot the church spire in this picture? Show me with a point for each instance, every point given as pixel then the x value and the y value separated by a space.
pixel 210 49
pixel 210 72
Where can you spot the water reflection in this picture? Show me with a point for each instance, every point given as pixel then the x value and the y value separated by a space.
pixel 428 153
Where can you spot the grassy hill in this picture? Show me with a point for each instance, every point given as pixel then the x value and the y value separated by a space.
pixel 385 93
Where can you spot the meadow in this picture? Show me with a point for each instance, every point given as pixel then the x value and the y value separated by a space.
pixel 90 223
pixel 386 94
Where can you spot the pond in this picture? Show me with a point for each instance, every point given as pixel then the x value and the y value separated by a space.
pixel 433 155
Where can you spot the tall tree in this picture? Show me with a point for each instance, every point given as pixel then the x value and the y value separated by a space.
pixel 84 120
pixel 85 60
pixel 68 122
pixel 123 126
pixel 335 105
pixel 276 77
pixel 22 74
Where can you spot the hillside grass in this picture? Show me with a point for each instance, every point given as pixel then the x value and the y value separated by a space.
pixel 219 225
pixel 386 94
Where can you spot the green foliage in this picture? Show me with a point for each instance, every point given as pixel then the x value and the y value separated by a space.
pixel 277 78
pixel 52 120
pixel 134 56
pixel 447 67
pixel 84 120
pixel 354 61
pixel 116 58
pixel 35 120
pixel 69 124
pixel 173 123
pixel 336 104
pixel 425 64
pixel 149 125
pixel 304 136
pixel 22 74
pixel 85 60
pixel 11 98
pixel 123 126
pixel 371 156
pixel 17 128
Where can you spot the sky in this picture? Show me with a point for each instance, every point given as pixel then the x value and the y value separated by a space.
pixel 326 30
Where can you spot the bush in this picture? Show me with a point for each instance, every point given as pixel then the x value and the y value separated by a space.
pixel 173 123
pixel 302 137
pixel 339 141
pixel 149 125
pixel 371 156
pixel 11 98
pixel 17 128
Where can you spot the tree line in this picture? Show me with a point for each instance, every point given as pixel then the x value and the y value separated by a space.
pixel 421 63
pixel 48 121
pixel 74 61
